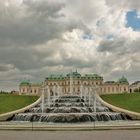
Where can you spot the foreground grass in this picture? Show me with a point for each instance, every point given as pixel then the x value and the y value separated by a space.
pixel 13 102
pixel 127 101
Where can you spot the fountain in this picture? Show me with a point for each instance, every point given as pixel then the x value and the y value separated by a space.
pixel 58 108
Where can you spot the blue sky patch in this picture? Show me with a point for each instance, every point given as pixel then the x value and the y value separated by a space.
pixel 88 37
pixel 132 20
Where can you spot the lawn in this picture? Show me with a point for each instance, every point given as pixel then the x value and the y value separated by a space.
pixel 13 102
pixel 126 101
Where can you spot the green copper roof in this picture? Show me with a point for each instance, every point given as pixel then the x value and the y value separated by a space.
pixel 92 76
pixel 55 77
pixel 110 82
pixel 74 74
pixel 25 82
pixel 123 80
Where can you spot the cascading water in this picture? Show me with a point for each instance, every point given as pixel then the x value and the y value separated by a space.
pixel 69 109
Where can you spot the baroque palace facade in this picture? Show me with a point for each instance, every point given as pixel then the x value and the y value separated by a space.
pixel 76 80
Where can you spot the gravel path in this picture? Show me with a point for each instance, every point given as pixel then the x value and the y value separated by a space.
pixel 71 135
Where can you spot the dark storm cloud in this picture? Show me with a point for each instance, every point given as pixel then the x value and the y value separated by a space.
pixel 28 33
pixel 36 24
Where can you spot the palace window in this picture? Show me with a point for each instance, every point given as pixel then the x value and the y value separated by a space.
pixel 124 89
pixel 78 89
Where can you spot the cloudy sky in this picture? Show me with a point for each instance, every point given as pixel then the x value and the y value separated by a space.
pixel 40 37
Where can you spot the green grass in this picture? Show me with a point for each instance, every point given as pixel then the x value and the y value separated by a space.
pixel 127 101
pixel 13 102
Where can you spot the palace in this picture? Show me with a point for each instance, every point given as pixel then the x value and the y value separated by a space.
pixel 75 80
pixel 135 87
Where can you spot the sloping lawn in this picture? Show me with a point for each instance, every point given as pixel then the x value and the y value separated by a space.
pixel 127 101
pixel 13 102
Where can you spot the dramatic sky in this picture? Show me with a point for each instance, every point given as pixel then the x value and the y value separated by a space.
pixel 40 37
